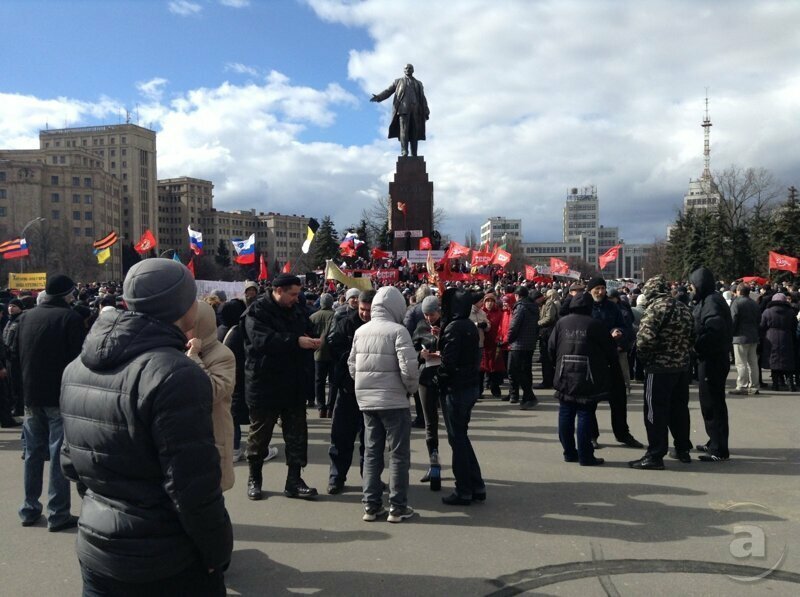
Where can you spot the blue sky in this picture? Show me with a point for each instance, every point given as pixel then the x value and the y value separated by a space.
pixel 270 99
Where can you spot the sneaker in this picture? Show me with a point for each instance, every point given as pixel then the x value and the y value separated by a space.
pixel 399 514
pixel 753 391
pixel 335 488
pixel 371 513
pixel 514 400
pixel 709 457
pixel 271 454
pixel 238 455
pixel 529 404
pixel 701 447
pixel 684 457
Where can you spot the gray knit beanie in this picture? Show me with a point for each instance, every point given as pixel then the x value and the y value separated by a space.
pixel 326 301
pixel 430 304
pixel 352 293
pixel 162 288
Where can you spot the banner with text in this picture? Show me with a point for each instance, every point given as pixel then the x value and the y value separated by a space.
pixel 27 281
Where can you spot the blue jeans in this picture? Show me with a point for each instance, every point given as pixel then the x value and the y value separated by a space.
pixel 566 430
pixel 458 405
pixel 43 431
pixel 380 426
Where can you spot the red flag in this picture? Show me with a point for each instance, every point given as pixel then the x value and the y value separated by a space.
pixel 401 207
pixel 147 242
pixel 454 251
pixel 609 256
pixel 263 272
pixel 481 258
pixel 378 254
pixel 557 266
pixel 190 266
pixel 530 273
pixel 425 244
pixel 501 258
pixel 287 268
pixel 782 262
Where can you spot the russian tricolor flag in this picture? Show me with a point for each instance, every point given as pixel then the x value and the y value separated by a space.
pixel 195 241
pixel 245 250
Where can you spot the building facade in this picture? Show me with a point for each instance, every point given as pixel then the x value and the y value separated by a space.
pixel 63 200
pixel 494 229
pixel 582 220
pixel 181 201
pixel 127 152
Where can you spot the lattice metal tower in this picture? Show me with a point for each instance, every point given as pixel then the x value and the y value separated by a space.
pixel 706 144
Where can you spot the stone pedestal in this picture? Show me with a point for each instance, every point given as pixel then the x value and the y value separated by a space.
pixel 412 187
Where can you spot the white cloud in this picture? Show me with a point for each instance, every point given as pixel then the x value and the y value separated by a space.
pixel 242 69
pixel 235 3
pixel 184 8
pixel 152 89
pixel 530 99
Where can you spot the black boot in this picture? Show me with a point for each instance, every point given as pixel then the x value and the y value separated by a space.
pixel 296 487
pixel 254 480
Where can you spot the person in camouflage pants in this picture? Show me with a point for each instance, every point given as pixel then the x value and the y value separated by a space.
pixel 665 338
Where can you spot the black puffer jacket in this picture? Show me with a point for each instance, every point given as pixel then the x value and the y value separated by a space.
pixel 523 331
pixel 276 369
pixel 138 433
pixel 712 317
pixel 340 342
pixel 584 354
pixel 48 338
pixel 461 356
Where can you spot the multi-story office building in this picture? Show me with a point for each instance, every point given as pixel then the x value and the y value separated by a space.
pixel 582 220
pixel 127 152
pixel 607 237
pixel 279 237
pixel 64 199
pixel 225 226
pixel 181 201
pixel 500 230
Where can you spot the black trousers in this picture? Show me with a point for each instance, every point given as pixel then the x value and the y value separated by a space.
pixel 347 424
pixel 195 581
pixel 666 408
pixel 323 372
pixel 712 373
pixel 520 369
pixel 618 402
pixel 293 425
pixel 548 368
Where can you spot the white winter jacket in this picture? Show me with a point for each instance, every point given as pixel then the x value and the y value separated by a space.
pixel 383 361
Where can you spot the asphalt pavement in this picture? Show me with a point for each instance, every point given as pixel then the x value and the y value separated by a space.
pixel 547 528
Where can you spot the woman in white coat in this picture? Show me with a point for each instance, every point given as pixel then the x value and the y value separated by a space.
pixel 218 362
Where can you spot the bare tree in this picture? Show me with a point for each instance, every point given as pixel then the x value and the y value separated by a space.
pixel 743 192
pixel 655 261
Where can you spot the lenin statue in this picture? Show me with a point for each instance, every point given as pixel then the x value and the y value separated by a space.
pixel 409 112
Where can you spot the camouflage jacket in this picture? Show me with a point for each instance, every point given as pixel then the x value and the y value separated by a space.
pixel 666 332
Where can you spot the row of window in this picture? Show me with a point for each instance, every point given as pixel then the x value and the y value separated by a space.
pixel 76 181
pixel 85 142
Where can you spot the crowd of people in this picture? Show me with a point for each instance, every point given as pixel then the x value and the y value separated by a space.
pixel 138 392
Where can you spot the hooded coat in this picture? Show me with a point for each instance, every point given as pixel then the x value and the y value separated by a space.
pixel 583 353
pixel 383 361
pixel 523 331
pixel 138 434
pixel 459 345
pixel 778 327
pixel 218 362
pixel 712 317
pixel 666 331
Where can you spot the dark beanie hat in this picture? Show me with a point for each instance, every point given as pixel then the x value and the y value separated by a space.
pixel 581 304
pixel 59 285
pixel 521 291
pixel 597 281
pixel 17 303
pixel 162 288
pixel 286 280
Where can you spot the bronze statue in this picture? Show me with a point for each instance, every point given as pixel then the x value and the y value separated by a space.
pixel 409 112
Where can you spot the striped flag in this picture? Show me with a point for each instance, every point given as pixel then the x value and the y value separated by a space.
pixel 105 242
pixel 13 249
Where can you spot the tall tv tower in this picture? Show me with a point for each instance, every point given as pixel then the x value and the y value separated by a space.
pixel 706 144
